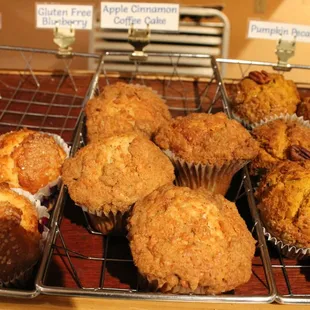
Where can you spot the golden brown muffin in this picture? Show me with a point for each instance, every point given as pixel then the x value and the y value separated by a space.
pixel 284 196
pixel 185 240
pixel 207 139
pixel 206 149
pixel 19 236
pixel 108 177
pixel 280 140
pixel 303 109
pixel 261 95
pixel 29 159
pixel 122 108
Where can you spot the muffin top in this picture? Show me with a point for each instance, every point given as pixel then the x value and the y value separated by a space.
pixel 115 173
pixel 19 237
pixel 207 139
pixel 29 159
pixel 280 140
pixel 284 195
pixel 190 238
pixel 262 94
pixel 303 109
pixel 122 108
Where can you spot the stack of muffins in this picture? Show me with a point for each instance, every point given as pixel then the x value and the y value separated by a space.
pixel 186 238
pixel 31 165
pixel 267 103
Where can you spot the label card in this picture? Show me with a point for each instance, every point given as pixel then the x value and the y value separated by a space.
pixel 63 16
pixel 273 31
pixel 121 15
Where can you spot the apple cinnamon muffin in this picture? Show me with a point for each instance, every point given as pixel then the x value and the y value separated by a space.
pixel 206 149
pixel 284 203
pixel 108 177
pixel 122 108
pixel 29 159
pixel 261 95
pixel 282 139
pixel 190 241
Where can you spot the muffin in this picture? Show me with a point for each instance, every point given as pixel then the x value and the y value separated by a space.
pixel 284 204
pixel 122 108
pixel 30 160
pixel 282 139
pixel 206 149
pixel 303 109
pixel 190 241
pixel 261 95
pixel 19 237
pixel 107 178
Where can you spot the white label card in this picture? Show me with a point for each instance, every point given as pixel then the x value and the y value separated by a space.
pixel 273 31
pixel 121 15
pixel 64 16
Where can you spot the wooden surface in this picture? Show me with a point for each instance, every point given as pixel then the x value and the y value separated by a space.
pixel 78 303
pixel 78 239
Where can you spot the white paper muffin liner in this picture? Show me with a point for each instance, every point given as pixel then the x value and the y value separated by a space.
pixel 214 178
pixel 21 279
pixel 245 123
pixel 287 117
pixel 289 251
pixel 111 222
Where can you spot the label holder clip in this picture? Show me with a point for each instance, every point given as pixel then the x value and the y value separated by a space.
pixel 139 39
pixel 284 51
pixel 64 38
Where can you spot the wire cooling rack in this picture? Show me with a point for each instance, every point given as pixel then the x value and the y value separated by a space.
pixel 291 276
pixel 43 101
pixel 81 262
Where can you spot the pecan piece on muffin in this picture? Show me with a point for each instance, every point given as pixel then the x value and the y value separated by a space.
pixel 280 140
pixel 122 108
pixel 261 95
pixel 190 241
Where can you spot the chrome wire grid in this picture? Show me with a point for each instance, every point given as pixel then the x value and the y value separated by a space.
pixel 42 101
pixel 95 265
pixel 288 273
pixel 36 100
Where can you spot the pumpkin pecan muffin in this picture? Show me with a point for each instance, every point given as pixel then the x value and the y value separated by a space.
pixel 107 178
pixel 122 108
pixel 284 203
pixel 261 95
pixel 303 109
pixel 285 138
pixel 30 160
pixel 190 241
pixel 19 236
pixel 206 149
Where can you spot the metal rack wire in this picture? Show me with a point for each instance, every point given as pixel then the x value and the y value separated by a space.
pixel 287 272
pixel 102 266
pixel 42 101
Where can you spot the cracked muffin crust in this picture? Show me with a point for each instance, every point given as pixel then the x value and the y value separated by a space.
pixel 280 140
pixel 29 159
pixel 112 175
pixel 204 138
pixel 284 202
pixel 303 109
pixel 262 94
pixel 19 236
pixel 122 108
pixel 185 240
